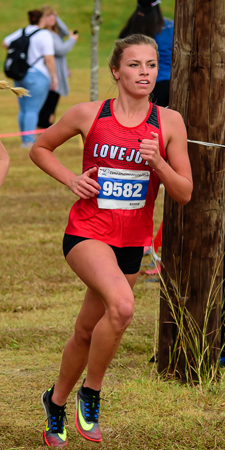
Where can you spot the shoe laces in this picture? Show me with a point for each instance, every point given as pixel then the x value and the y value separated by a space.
pixel 91 407
pixel 57 418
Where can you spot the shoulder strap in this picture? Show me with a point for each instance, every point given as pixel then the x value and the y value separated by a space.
pixel 31 34
pixel 153 117
pixel 106 111
pixel 39 29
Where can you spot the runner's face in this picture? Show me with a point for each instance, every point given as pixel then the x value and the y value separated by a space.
pixel 138 70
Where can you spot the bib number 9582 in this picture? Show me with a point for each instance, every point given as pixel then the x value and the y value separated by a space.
pixel 122 189
pixel 118 189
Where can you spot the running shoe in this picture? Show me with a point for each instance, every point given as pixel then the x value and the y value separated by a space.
pixel 87 412
pixel 55 432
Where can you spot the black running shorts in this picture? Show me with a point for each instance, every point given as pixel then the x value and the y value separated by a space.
pixel 128 258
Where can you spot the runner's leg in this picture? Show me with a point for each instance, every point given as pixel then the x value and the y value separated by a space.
pixel 111 296
pixel 75 355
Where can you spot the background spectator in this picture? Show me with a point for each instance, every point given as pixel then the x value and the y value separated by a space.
pixel 58 31
pixel 39 76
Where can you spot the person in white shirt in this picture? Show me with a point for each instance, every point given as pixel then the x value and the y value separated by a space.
pixel 39 77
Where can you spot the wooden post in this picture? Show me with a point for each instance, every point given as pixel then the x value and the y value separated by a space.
pixel 193 235
pixel 95 25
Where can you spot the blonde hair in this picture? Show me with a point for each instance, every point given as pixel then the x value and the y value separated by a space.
pixel 20 92
pixel 121 44
pixel 48 11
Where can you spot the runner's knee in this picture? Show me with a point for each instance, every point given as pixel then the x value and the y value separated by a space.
pixel 122 313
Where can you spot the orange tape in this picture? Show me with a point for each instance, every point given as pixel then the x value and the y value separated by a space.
pixel 22 133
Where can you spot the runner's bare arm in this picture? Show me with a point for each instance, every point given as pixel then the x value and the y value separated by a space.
pixel 4 163
pixel 176 176
pixel 76 120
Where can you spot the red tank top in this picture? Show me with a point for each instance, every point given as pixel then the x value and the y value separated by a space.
pixel 114 150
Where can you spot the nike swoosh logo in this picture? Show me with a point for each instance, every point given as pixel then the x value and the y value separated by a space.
pixel 84 425
pixel 63 436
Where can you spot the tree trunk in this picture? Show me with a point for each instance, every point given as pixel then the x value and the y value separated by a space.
pixel 95 25
pixel 193 235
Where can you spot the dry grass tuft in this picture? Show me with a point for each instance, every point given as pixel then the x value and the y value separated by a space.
pixel 19 91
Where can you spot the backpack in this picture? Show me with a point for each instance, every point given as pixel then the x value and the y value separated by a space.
pixel 15 65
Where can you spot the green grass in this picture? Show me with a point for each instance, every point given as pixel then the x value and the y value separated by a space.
pixel 40 296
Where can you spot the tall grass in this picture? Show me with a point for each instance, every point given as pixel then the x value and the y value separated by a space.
pixel 193 343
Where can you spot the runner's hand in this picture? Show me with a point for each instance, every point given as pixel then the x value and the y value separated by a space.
pixel 84 186
pixel 149 150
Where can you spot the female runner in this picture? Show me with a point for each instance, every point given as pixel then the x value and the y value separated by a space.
pixel 130 145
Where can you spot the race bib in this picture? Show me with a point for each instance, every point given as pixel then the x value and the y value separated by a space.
pixel 122 189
